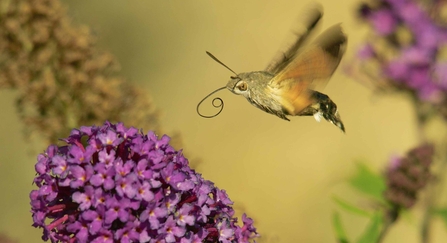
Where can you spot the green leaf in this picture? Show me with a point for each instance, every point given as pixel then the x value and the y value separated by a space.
pixel 441 212
pixel 350 207
pixel 339 230
pixel 368 182
pixel 372 232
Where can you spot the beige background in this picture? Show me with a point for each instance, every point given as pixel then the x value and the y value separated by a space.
pixel 283 174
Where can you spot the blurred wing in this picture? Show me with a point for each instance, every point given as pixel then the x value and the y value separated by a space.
pixel 311 19
pixel 310 67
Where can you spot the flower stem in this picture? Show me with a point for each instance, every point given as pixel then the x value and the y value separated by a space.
pixel 421 119
pixel 391 216
pixel 434 190
pixel 433 186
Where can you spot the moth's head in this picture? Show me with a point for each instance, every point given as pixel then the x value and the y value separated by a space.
pixel 238 85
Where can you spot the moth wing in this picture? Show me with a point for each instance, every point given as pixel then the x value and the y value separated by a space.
pixel 305 28
pixel 309 68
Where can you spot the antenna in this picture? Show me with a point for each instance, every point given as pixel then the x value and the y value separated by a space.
pixel 221 63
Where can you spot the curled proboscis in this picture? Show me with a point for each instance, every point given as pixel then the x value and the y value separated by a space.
pixel 217 103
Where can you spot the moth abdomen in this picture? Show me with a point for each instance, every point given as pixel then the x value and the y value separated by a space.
pixel 328 109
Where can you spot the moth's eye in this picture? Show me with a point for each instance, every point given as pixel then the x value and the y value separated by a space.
pixel 242 86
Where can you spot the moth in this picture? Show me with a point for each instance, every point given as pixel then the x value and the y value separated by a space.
pixel 288 85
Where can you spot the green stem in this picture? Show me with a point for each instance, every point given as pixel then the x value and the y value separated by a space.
pixel 390 217
pixel 384 231
pixel 435 188
pixel 426 220
pixel 421 120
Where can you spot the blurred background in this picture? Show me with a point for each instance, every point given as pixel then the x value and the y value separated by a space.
pixel 282 174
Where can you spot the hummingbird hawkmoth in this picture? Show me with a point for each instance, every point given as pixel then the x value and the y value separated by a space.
pixel 288 85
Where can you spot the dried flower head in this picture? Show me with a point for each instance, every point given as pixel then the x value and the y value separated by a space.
pixel 62 79
pixel 406 176
pixel 406 49
pixel 115 184
pixel 5 239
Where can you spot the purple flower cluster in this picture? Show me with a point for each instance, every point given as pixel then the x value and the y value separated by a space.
pixel 404 48
pixel 406 176
pixel 115 184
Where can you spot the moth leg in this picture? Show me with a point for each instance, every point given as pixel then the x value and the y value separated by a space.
pixel 325 107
